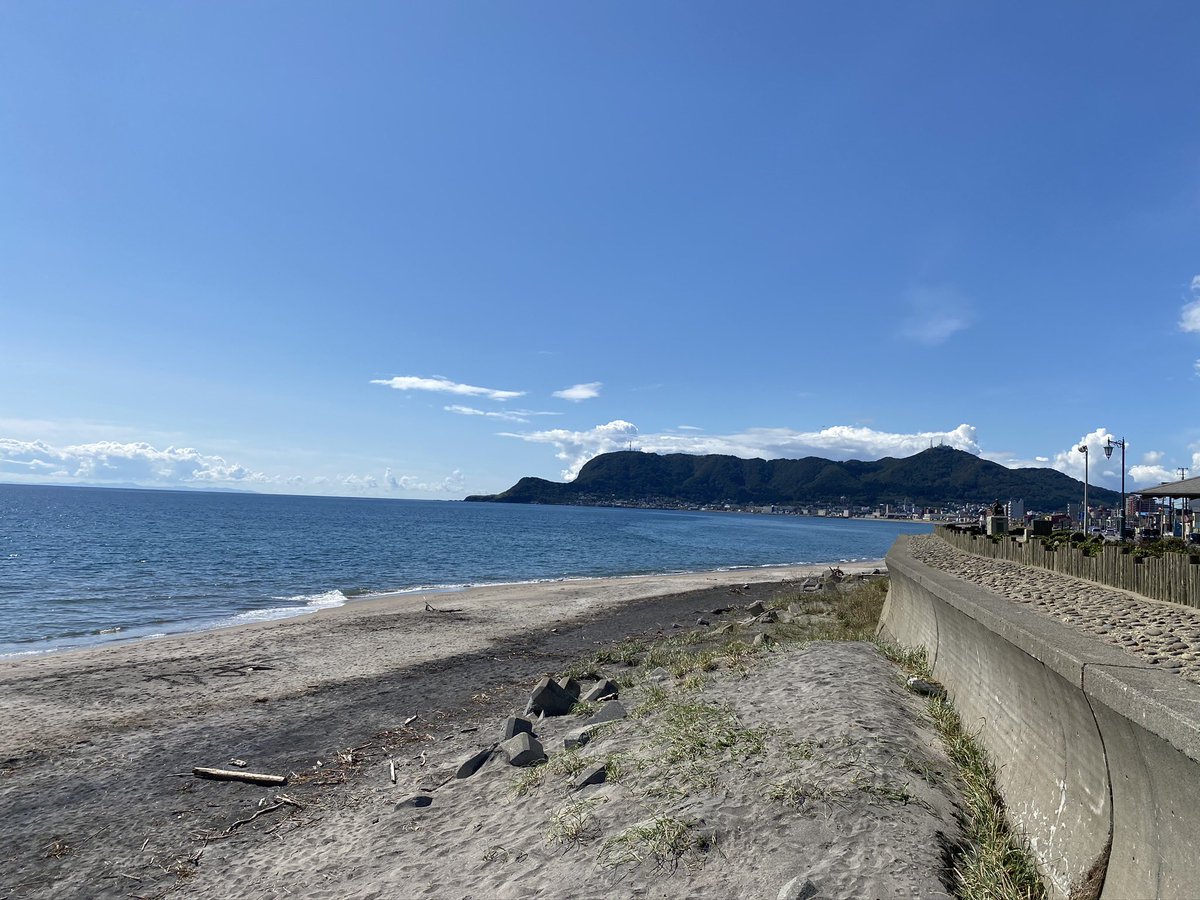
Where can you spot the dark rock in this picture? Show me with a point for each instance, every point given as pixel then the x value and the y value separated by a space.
pixel 573 740
pixel 719 610
pixel 515 725
pixel 416 801
pixel 570 685
pixel 602 688
pixel 702 621
pixel 756 607
pixel 596 774
pixel 799 888
pixel 923 686
pixel 609 712
pixel 474 762
pixel 762 640
pixel 551 699
pixel 523 750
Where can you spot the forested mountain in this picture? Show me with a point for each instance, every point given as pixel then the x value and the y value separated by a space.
pixel 933 477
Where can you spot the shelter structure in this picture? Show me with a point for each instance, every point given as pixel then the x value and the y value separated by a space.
pixel 1187 490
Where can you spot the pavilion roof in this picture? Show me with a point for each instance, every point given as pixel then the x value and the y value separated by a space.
pixel 1189 488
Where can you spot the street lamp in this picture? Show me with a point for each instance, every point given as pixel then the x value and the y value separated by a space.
pixel 1108 449
pixel 1083 448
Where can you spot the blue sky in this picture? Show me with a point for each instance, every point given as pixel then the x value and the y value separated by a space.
pixel 423 249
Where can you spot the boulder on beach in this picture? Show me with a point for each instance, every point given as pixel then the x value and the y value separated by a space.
pixel 551 698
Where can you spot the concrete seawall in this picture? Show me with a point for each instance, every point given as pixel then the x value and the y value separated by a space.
pixel 1098 753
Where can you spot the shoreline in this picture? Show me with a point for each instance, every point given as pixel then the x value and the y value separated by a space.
pixel 117 640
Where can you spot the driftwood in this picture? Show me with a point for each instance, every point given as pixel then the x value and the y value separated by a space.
pixel 280 803
pixel 228 775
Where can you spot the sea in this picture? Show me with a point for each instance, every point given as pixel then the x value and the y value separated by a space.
pixel 89 566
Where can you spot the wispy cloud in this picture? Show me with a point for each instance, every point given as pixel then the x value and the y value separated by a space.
pixel 1189 315
pixel 501 414
pixel 935 313
pixel 837 442
pixel 438 384
pixel 507 415
pixel 688 428
pixel 577 392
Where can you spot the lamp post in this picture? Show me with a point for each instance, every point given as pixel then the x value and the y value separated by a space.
pixel 1108 449
pixel 1083 448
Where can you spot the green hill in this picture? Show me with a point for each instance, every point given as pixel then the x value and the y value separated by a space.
pixel 933 477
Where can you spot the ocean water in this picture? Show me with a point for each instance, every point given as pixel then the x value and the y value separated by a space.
pixel 86 566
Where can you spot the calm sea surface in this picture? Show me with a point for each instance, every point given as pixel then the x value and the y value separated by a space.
pixel 83 566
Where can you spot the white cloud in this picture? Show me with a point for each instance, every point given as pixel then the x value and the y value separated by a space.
pixel 471 411
pixel 445 386
pixel 124 463
pixel 1072 462
pixel 934 314
pixel 1149 475
pixel 141 464
pixel 688 428
pixel 508 415
pixel 451 484
pixel 577 392
pixel 1189 315
pixel 1153 457
pixel 837 442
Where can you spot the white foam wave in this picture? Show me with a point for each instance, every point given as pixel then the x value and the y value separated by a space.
pixel 298 605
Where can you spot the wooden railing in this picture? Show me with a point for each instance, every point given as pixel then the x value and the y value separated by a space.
pixel 1173 577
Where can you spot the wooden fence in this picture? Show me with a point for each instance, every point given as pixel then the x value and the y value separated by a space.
pixel 1173 577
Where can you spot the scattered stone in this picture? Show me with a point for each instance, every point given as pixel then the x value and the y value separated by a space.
pixel 702 621
pixel 515 725
pixel 658 675
pixel 416 801
pixel 570 685
pixel 609 712
pixel 474 762
pixel 523 750
pixel 596 774
pixel 799 888
pixel 550 698
pixel 770 617
pixel 756 607
pixel 762 640
pixel 923 686
pixel 601 689
pixel 719 610
pixel 573 740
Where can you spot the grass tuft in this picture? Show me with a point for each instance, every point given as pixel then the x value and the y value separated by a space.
pixel 663 840
pixel 996 863
pixel 574 822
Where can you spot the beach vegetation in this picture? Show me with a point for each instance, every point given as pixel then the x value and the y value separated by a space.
pixel 574 822
pixel 995 863
pixel 584 709
pixel 662 841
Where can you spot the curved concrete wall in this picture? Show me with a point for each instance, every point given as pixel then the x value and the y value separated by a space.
pixel 1098 754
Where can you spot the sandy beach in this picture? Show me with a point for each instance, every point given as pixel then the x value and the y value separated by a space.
pixel 93 741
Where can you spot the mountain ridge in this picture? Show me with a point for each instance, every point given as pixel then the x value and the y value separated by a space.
pixel 933 477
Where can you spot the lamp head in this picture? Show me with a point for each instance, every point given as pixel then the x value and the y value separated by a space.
pixel 1083 448
pixel 1108 449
